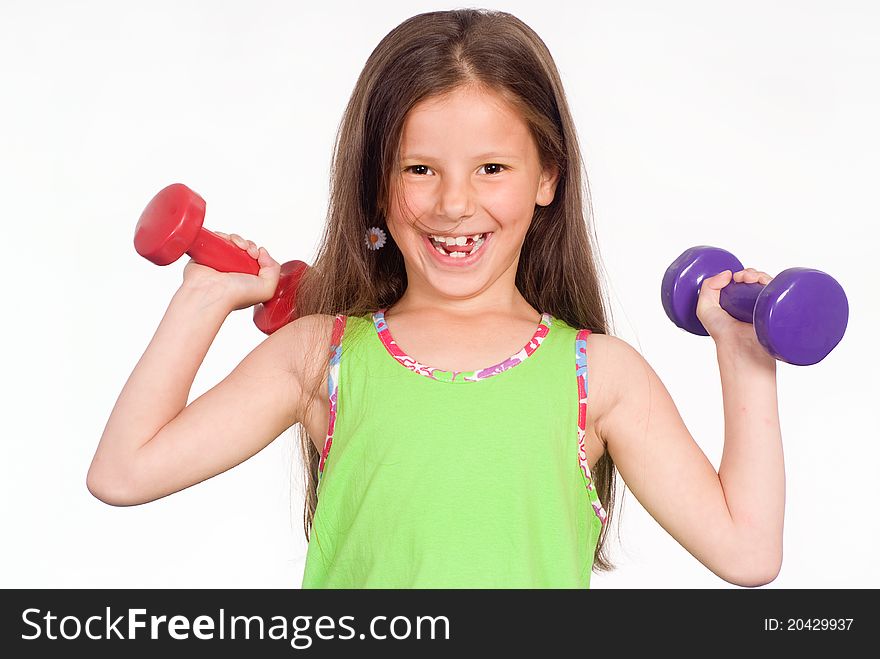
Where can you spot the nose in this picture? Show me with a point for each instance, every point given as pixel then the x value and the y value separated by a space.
pixel 455 200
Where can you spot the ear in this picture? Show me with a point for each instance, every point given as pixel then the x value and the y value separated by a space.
pixel 547 186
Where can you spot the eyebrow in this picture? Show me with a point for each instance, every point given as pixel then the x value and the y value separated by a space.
pixel 481 156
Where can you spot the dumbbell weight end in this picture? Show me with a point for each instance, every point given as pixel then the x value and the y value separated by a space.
pixel 171 226
pixel 281 309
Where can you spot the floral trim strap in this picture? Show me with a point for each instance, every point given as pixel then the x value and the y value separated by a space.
pixel 332 386
pixel 581 369
pixel 538 337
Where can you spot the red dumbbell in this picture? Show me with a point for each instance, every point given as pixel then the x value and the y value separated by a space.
pixel 171 226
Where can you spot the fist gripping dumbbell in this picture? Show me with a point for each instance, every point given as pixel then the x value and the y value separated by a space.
pixel 798 317
pixel 171 226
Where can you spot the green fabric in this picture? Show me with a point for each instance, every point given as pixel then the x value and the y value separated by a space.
pixel 437 484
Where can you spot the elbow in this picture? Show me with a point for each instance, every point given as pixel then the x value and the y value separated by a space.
pixel 101 489
pixel 758 574
pixel 108 488
pixel 754 560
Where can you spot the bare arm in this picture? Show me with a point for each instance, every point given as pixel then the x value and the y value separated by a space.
pixel 730 520
pixel 752 470
pixel 154 444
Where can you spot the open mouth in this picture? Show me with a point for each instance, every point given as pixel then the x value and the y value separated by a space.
pixel 461 251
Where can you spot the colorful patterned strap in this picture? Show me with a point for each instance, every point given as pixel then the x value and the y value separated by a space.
pixel 581 370
pixel 538 337
pixel 332 386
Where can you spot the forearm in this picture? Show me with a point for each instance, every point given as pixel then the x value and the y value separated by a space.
pixel 159 386
pixel 752 470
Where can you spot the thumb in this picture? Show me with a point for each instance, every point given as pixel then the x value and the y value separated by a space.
pixel 266 263
pixel 710 289
pixel 717 282
pixel 270 269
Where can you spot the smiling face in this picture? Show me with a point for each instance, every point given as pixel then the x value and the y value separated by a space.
pixel 468 165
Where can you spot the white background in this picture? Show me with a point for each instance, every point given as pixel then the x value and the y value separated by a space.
pixel 751 126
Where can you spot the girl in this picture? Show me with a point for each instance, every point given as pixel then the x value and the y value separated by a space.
pixel 449 332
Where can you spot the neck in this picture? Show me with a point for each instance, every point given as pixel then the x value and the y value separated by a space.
pixel 464 310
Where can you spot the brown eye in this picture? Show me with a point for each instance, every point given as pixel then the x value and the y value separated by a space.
pixel 419 167
pixel 497 168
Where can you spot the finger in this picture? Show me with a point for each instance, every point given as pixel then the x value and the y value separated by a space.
pixel 710 291
pixel 749 275
pixel 267 264
pixel 239 241
pixel 717 282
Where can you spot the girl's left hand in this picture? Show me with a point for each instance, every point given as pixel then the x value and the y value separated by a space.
pixel 723 327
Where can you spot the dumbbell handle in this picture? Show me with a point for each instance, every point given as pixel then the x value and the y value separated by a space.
pixel 210 249
pixel 738 299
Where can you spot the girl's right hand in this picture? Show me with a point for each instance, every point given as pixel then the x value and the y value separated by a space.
pixel 239 289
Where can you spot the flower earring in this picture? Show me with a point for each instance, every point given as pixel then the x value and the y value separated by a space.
pixel 374 238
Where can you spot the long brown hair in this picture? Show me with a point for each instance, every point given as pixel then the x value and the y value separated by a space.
pixel 426 56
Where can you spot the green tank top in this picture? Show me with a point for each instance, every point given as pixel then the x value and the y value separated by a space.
pixel 443 479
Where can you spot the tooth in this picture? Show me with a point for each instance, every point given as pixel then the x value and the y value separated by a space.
pixel 459 240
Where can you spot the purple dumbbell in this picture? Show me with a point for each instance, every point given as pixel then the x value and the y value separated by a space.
pixel 799 316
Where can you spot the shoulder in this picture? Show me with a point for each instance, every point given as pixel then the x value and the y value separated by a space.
pixel 318 328
pixel 304 334
pixel 612 365
pixel 633 394
pixel 604 349
pixel 306 342
pixel 311 337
